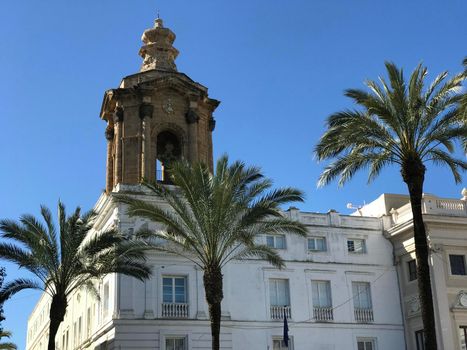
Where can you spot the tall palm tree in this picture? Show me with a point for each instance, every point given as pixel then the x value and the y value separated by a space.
pixel 214 218
pixel 402 123
pixel 66 257
pixel 6 346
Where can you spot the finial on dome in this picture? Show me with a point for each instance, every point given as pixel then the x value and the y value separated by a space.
pixel 157 51
pixel 158 23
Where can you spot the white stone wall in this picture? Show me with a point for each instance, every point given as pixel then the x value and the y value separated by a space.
pixel 446 227
pixel 134 319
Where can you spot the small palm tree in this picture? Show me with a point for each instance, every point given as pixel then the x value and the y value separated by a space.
pixel 65 258
pixel 213 219
pixel 404 124
pixel 6 346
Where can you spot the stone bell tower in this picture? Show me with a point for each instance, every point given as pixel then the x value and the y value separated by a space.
pixel 156 116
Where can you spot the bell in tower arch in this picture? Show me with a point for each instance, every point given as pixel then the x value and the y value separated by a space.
pixel 169 150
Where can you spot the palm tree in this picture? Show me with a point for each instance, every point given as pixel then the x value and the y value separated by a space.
pixel 408 125
pixel 212 219
pixel 464 99
pixel 66 257
pixel 6 346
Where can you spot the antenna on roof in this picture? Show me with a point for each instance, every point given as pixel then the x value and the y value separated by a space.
pixel 357 208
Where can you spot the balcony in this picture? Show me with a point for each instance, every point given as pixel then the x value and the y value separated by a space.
pixel 323 314
pixel 175 310
pixel 277 312
pixel 363 315
pixel 432 205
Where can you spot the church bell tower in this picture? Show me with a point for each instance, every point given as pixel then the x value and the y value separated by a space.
pixel 156 116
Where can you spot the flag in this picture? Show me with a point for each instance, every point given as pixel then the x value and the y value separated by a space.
pixel 286 329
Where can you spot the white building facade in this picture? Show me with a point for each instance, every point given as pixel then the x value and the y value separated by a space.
pixel 446 225
pixel 339 290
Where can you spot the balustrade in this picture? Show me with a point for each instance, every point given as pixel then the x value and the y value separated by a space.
pixel 277 312
pixel 175 310
pixel 363 315
pixel 323 314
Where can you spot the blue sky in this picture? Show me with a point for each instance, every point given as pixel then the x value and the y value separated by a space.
pixel 279 68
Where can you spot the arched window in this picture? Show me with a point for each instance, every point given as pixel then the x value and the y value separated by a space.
pixel 168 151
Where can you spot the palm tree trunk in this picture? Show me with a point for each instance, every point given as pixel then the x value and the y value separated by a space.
pixel 413 174
pixel 57 314
pixel 212 280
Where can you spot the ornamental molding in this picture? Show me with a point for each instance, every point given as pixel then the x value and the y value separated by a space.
pixel 461 301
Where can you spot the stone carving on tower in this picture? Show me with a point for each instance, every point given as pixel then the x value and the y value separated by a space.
pixel 156 116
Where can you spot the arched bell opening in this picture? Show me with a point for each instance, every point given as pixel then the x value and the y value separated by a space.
pixel 169 150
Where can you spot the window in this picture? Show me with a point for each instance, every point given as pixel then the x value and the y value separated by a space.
pixel 321 293
pixel 75 334
pixel 363 311
pixel 175 343
pixel 88 322
pixel 106 300
pixel 174 290
pixel 317 244
pixel 412 269
pixel 278 344
pixel 463 337
pixel 361 295
pixel 457 264
pixel 420 339
pixel 356 246
pixel 366 344
pixel 279 292
pixel 275 241
pixel 79 330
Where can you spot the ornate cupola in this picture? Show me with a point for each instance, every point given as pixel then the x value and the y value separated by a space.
pixel 156 116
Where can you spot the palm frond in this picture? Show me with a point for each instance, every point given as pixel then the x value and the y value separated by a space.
pixel 396 121
pixel 440 157
pixel 15 286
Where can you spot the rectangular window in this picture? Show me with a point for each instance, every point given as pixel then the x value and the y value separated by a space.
pixel 356 246
pixel 420 339
pixel 463 337
pixel 278 344
pixel 88 322
pixel 317 244
pixel 79 330
pixel 457 264
pixel 321 293
pixel 412 269
pixel 279 292
pixel 106 300
pixel 275 241
pixel 175 343
pixel 361 295
pixel 75 334
pixel 366 344
pixel 174 290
